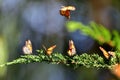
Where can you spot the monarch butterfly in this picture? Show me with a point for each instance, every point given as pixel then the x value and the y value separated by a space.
pixel 107 54
pixel 65 11
pixel 27 49
pixel 49 50
pixel 71 51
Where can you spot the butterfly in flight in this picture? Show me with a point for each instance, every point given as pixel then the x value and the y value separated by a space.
pixel 49 50
pixel 27 49
pixel 65 11
pixel 71 51
pixel 107 54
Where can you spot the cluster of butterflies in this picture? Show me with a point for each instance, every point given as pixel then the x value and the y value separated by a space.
pixel 107 54
pixel 65 11
pixel 27 48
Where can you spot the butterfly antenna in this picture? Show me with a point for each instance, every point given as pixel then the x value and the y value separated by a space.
pixel 44 47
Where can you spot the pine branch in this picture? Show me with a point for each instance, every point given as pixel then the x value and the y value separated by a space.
pixel 76 61
pixel 97 32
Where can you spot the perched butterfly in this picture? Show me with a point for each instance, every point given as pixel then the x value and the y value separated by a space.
pixel 65 11
pixel 49 50
pixel 72 50
pixel 27 49
pixel 107 54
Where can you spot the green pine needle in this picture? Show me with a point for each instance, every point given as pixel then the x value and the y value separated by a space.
pixel 96 31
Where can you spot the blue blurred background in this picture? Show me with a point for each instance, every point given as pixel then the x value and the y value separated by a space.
pixel 40 21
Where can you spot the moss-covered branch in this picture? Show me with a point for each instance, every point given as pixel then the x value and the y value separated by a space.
pixel 76 61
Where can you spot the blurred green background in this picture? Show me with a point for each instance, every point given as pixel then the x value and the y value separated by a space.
pixel 40 21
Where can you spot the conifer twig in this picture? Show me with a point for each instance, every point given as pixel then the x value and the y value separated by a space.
pixel 76 61
pixel 96 31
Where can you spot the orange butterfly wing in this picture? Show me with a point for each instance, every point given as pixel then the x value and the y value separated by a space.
pixel 111 53
pixel 65 11
pixel 29 45
pixel 49 50
pixel 105 53
pixel 72 50
pixel 27 49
